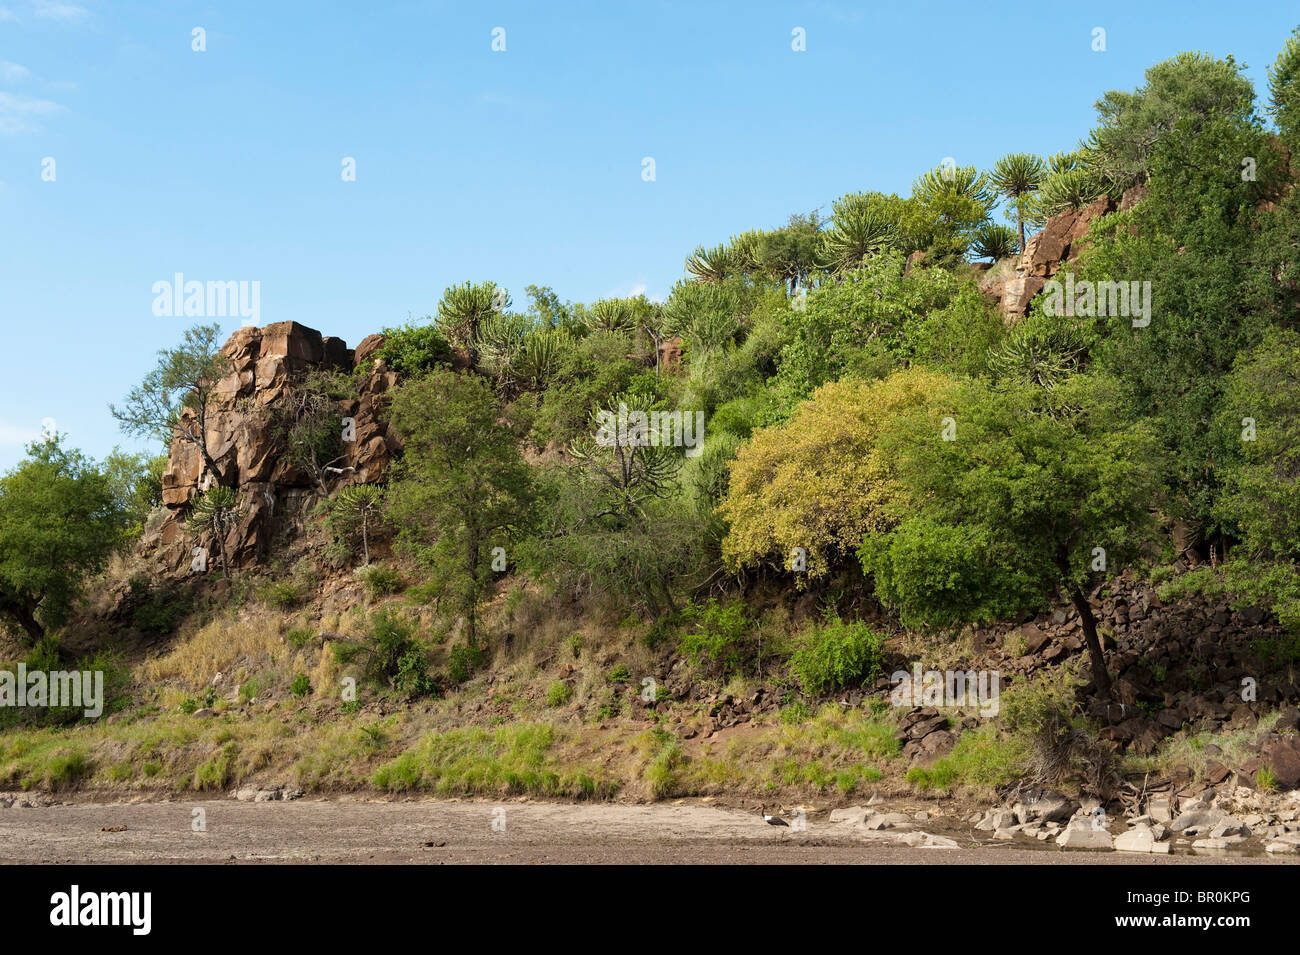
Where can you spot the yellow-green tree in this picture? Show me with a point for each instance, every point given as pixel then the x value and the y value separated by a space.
pixel 811 487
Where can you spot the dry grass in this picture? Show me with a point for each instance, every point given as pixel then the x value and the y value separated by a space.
pixel 216 648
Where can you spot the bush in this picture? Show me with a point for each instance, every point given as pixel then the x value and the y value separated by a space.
pixel 281 594
pixel 413 350
pixel 300 686
pixel 298 637
pixel 462 662
pixel 619 673
pixel 718 638
pixel 157 612
pixel 836 656
pixel 558 693
pixel 380 580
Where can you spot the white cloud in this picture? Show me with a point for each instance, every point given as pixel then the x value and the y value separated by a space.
pixel 16 111
pixel 13 72
pixel 56 10
pixel 14 436
pixel 7 14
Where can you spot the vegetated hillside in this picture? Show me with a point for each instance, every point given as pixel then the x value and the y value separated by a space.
pixel 495 551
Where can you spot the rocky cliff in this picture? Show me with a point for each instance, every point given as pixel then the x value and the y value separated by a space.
pixel 274 494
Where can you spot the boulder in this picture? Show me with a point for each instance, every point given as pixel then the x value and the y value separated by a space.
pixel 1081 834
pixel 1046 805
pixel 1141 839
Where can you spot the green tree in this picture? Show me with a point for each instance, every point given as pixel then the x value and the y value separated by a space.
pixel 1284 90
pixel 215 511
pixel 463 308
pixel 137 484
pixel 364 502
pixel 461 486
pixel 61 518
pixel 1184 92
pixel 996 242
pixel 1027 493
pixel 175 399
pixel 861 224
pixel 1015 176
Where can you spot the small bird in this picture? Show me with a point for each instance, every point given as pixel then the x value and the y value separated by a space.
pixel 771 820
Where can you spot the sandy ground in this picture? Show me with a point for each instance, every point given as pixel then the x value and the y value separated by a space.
pixel 369 832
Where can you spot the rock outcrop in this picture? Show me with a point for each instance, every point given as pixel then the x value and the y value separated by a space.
pixel 248 450
pixel 1045 254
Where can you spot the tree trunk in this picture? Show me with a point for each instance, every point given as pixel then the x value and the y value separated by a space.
pixel 1021 216
pixel 221 544
pixel 365 543
pixel 1100 678
pixel 24 614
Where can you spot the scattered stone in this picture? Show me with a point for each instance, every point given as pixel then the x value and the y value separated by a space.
pixel 996 819
pixel 1084 836
pixel 1197 820
pixel 1141 839
pixel 1046 805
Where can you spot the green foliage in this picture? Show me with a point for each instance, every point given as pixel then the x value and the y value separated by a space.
pixel 463 661
pixel 718 637
pixel 281 594
pixel 1181 96
pixel 1010 511
pixel 300 686
pixel 381 581
pixel 1284 89
pixel 173 401
pixel 1041 350
pixel 414 350
pixel 821 481
pixel 461 487
pixel 464 308
pixel 558 693
pixel 137 484
pixel 835 656
pixel 861 224
pixel 1015 177
pixel 994 242
pixel 60 521
pixel 157 611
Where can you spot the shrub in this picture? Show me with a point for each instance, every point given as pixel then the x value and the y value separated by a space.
pixel 822 480
pixel 157 611
pixel 837 655
pixel 719 636
pixel 462 662
pixel 298 637
pixel 413 350
pixel 300 686
pixel 281 594
pixel 619 673
pixel 380 580
pixel 558 693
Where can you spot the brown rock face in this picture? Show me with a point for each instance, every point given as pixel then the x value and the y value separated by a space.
pixel 243 445
pixel 1045 253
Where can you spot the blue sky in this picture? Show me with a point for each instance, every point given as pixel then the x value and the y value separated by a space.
pixel 522 166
